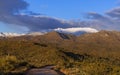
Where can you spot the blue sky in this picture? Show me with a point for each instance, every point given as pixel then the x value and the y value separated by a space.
pixel 70 9
pixel 65 9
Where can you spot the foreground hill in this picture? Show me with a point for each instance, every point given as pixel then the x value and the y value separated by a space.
pixel 88 54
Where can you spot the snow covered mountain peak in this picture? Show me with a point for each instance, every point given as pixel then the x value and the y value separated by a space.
pixel 75 31
pixel 7 34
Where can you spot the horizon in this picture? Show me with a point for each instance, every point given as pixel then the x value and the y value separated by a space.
pixel 22 16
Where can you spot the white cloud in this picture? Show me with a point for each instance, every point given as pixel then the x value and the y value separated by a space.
pixel 77 30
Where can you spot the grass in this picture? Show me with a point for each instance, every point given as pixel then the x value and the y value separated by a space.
pixel 84 55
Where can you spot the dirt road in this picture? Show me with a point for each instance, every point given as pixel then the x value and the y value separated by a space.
pixel 43 71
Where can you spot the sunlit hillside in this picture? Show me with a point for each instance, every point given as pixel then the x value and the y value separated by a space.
pixel 89 54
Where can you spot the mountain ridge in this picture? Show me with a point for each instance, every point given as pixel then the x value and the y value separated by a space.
pixel 74 31
pixel 100 50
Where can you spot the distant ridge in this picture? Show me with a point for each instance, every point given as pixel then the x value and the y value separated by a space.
pixel 6 34
pixel 100 50
pixel 74 31
pixel 61 35
pixel 58 36
pixel 35 33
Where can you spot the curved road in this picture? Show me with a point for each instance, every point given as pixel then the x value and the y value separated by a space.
pixel 48 70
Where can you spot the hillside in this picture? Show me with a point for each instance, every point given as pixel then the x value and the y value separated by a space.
pixel 104 43
pixel 92 53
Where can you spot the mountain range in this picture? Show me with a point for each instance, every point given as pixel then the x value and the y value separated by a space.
pixel 90 53
pixel 8 34
pixel 74 31
pixel 93 43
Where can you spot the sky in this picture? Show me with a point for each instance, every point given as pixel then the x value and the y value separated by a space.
pixel 70 9
pixel 44 15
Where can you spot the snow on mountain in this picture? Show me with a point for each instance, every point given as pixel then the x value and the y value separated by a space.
pixel 35 33
pixel 76 31
pixel 7 34
pixel 2 34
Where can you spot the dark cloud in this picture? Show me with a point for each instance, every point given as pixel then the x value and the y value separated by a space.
pixel 114 13
pixel 94 15
pixel 99 17
pixel 38 22
pixel 11 6
pixel 8 8
pixel 108 21
pixel 33 21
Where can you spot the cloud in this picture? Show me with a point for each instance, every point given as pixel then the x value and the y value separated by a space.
pixel 108 21
pixel 10 14
pixel 114 13
pixel 11 6
pixel 33 21
pixel 77 30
